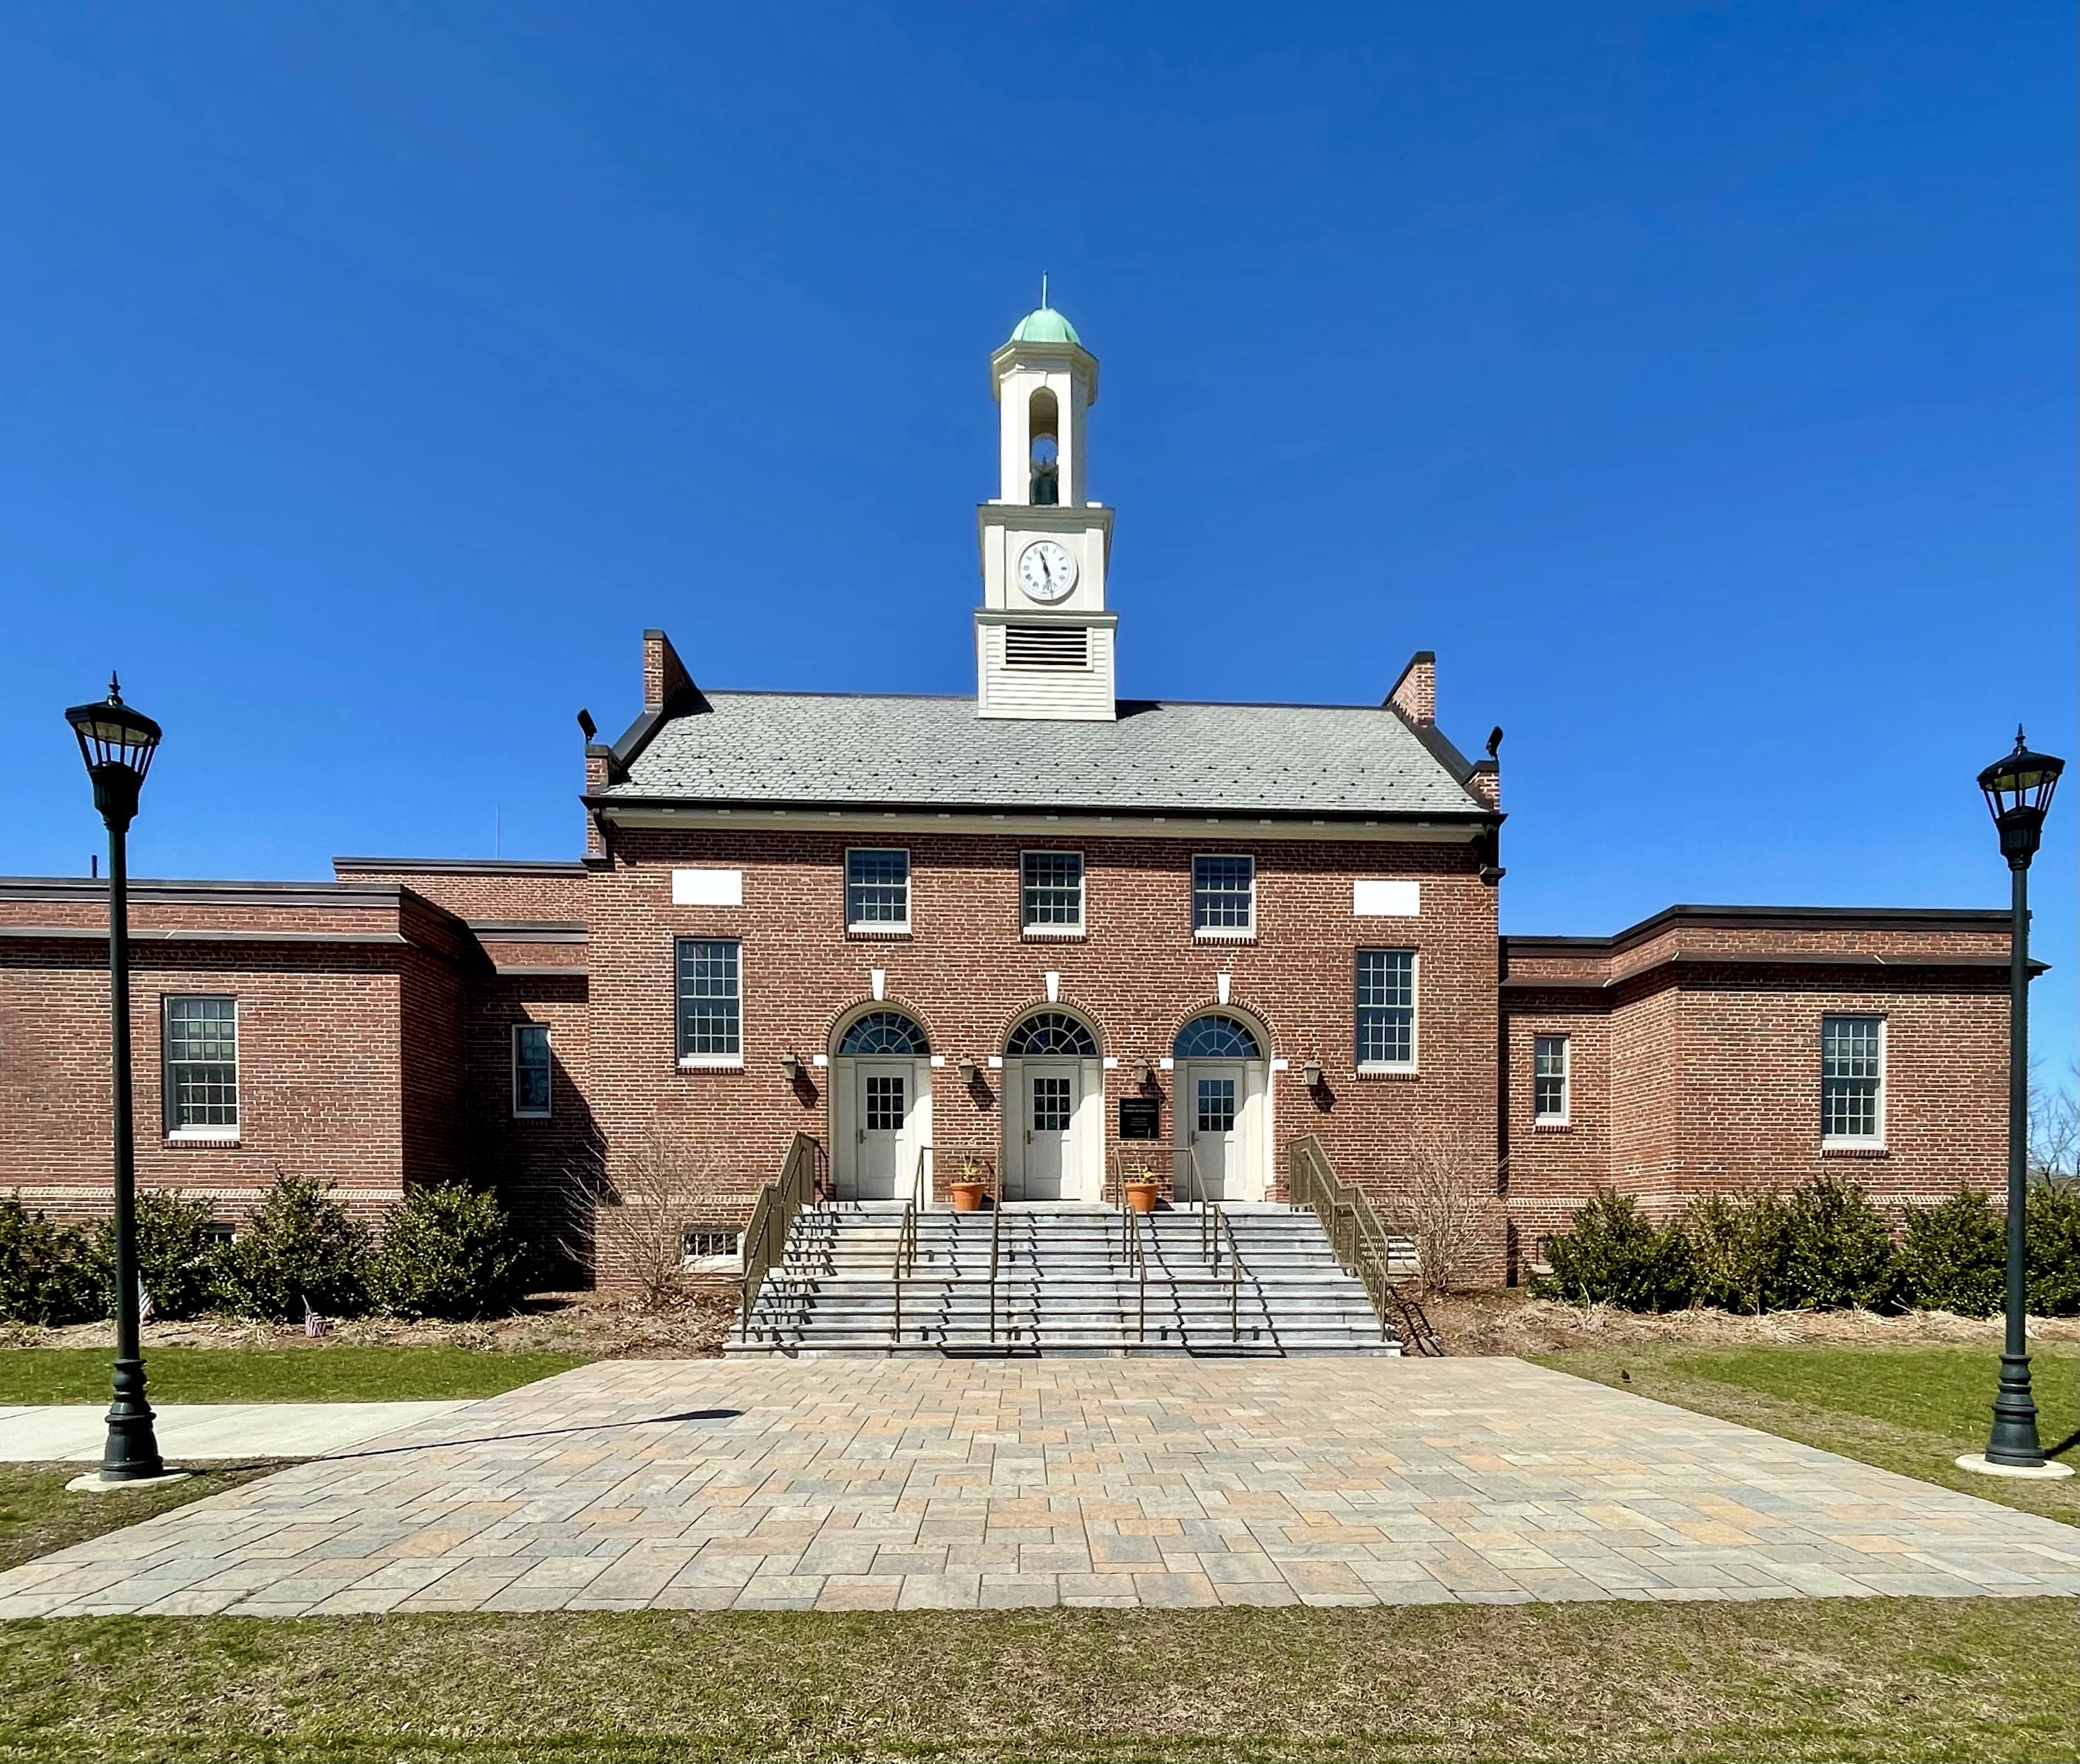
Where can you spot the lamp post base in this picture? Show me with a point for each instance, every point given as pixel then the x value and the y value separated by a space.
pixel 1980 1465
pixel 94 1482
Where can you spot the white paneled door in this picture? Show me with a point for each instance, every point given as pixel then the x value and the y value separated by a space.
pixel 1052 1092
pixel 1214 1104
pixel 881 1111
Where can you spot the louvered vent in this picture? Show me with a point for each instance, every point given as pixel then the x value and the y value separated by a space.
pixel 1046 646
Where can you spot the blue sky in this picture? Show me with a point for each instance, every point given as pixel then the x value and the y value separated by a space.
pixel 1698 381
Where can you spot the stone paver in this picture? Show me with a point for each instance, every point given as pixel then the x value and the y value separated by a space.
pixel 929 1484
pixel 54 1433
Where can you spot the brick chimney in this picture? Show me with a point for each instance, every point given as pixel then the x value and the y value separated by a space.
pixel 1487 781
pixel 1414 693
pixel 664 676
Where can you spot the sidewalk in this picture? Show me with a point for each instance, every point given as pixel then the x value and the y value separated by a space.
pixel 57 1432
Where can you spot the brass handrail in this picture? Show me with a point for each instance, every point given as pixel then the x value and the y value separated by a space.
pixel 906 1241
pixel 1359 1238
pixel 802 1185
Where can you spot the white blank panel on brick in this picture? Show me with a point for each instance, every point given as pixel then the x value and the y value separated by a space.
pixel 707 888
pixel 1373 899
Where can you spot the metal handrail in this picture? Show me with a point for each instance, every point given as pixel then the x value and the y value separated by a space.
pixel 906 1240
pixel 802 1185
pixel 1359 1237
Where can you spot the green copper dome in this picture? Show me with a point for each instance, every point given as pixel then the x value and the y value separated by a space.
pixel 1044 325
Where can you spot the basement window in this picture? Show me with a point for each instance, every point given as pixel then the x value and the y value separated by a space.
pixel 1048 647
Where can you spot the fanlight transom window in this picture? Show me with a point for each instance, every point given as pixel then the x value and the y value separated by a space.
pixel 885 1032
pixel 1216 1037
pixel 1050 1032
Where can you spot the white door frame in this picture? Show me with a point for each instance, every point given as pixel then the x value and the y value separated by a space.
pixel 1083 1150
pixel 1248 1180
pixel 847 1081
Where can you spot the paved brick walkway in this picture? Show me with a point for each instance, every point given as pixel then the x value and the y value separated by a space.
pixel 916 1483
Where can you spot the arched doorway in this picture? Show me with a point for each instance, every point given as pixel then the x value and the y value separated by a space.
pixel 1222 1109
pixel 1054 1109
pixel 881 1106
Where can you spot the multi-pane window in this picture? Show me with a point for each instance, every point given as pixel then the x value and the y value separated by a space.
pixel 710 999
pixel 1852 1078
pixel 885 1105
pixel 1224 895
pixel 1549 1077
pixel 1051 1105
pixel 1387 1006
pixel 877 890
pixel 1051 891
pixel 531 1069
pixel 202 1066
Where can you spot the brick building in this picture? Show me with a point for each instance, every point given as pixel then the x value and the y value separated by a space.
pixel 1059 934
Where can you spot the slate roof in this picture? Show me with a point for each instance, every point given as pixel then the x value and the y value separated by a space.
pixel 835 749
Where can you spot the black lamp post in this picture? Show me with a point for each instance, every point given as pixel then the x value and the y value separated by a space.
pixel 117 743
pixel 2019 792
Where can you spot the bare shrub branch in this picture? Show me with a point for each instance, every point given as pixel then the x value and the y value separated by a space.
pixel 630 1224
pixel 1452 1209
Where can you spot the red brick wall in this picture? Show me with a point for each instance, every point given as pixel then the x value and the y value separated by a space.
pixel 471 890
pixel 318 1077
pixel 1696 1069
pixel 967 975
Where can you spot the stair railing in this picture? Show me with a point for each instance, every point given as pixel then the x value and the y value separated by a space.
pixel 802 1184
pixel 906 1237
pixel 1359 1237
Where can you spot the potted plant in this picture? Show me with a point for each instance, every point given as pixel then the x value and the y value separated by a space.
pixel 1142 1190
pixel 968 1188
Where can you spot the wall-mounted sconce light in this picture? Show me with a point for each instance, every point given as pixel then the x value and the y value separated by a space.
pixel 969 1072
pixel 1141 1073
pixel 791 1066
pixel 1312 1073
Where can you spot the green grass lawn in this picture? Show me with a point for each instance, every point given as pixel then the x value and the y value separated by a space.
pixel 319 1374
pixel 1912 1410
pixel 1793 1679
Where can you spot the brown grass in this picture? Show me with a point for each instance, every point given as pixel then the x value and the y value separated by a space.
pixel 1800 1679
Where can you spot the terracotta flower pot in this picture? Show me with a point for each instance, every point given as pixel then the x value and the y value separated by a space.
pixel 1140 1196
pixel 967 1196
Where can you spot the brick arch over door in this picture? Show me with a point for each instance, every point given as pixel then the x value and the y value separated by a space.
pixel 1033 1007
pixel 840 1022
pixel 1248 1015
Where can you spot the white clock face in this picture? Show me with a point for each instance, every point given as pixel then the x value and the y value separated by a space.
pixel 1047 571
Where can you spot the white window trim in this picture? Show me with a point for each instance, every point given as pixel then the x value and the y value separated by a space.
pixel 713 1062
pixel 1566 1117
pixel 1083 893
pixel 1222 933
pixel 203 1136
pixel 1414 1063
pixel 881 928
pixel 548 1110
pixel 1853 1141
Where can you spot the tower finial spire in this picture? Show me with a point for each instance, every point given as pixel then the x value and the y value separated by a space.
pixel 1043 289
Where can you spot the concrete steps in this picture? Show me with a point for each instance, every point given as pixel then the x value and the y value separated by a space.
pixel 1067 1283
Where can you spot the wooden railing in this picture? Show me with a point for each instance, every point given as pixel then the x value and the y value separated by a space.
pixel 804 1182
pixel 1360 1239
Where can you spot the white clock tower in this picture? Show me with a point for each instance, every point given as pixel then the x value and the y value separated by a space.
pixel 1043 638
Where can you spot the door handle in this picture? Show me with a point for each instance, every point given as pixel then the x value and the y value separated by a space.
pixel 1028 1136
pixel 861 1132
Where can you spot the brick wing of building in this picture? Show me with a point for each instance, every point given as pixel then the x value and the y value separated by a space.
pixel 1062 935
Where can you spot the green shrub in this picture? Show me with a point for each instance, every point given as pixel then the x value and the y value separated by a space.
pixel 301 1248
pixel 1838 1250
pixel 1614 1255
pixel 47 1273
pixel 1954 1256
pixel 2051 1223
pixel 449 1253
pixel 176 1258
pixel 1737 1252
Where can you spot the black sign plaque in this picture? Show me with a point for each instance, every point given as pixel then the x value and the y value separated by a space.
pixel 1140 1117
